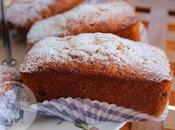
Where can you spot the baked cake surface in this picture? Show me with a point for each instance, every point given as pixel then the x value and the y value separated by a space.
pixel 116 17
pixel 22 14
pixel 101 67
pixel 8 74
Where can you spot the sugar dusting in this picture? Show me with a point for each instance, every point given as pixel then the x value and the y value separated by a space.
pixel 106 48
pixel 89 13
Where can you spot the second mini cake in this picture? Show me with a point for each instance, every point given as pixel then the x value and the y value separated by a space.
pixel 22 14
pixel 115 17
pixel 100 67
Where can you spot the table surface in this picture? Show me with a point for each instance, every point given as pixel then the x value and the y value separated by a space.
pixel 46 123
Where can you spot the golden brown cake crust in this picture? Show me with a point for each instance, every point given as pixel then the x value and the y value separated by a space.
pixel 116 17
pixel 144 96
pixel 101 67
pixel 22 14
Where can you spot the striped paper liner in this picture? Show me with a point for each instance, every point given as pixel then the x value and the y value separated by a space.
pixel 92 112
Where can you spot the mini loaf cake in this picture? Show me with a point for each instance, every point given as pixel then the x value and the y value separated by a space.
pixel 8 74
pixel 100 67
pixel 22 14
pixel 115 17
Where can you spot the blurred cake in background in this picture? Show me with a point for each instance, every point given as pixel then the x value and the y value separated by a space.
pixel 22 14
pixel 116 17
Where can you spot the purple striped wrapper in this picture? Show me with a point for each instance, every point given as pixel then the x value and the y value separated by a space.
pixel 92 112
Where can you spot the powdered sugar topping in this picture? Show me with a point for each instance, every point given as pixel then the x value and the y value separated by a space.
pixel 89 13
pixel 26 9
pixel 105 48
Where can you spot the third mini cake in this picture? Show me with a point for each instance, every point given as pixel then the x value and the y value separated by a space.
pixel 100 67
pixel 22 14
pixel 115 17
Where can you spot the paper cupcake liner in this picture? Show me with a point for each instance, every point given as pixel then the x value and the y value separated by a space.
pixel 92 112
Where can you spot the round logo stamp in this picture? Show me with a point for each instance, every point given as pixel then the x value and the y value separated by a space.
pixel 15 106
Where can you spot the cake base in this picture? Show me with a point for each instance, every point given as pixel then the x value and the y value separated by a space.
pixel 122 92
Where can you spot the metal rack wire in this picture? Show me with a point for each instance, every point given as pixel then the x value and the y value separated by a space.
pixel 9 61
